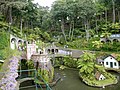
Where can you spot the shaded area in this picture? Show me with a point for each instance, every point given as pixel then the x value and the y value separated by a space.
pixel 70 81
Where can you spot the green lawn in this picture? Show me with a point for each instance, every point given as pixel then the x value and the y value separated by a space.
pixel 100 83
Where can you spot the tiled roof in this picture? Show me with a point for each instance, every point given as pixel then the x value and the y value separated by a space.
pixel 97 75
pixel 113 55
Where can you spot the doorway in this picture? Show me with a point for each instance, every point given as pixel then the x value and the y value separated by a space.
pixel 111 64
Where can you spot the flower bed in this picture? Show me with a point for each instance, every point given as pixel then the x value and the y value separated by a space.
pixel 8 81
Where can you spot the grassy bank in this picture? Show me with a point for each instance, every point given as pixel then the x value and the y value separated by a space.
pixel 99 83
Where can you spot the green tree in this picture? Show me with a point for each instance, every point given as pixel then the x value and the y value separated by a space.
pixel 86 63
pixel 59 11
pixel 97 44
pixel 106 35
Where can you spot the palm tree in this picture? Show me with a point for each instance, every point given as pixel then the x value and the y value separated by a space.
pixel 106 35
pixel 97 44
pixel 32 37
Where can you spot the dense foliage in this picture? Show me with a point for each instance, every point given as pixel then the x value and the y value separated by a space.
pixel 87 64
pixel 4 45
pixel 77 23
pixel 45 75
pixel 70 18
pixel 88 69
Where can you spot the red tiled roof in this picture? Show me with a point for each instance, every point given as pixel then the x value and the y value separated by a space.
pixel 113 55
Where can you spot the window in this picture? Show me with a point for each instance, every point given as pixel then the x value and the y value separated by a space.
pixel 48 50
pixel 115 64
pixel 106 63
pixel 53 52
pixel 56 50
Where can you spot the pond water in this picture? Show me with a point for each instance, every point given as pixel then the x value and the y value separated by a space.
pixel 71 81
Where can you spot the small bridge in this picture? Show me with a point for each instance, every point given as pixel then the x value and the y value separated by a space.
pixel 112 38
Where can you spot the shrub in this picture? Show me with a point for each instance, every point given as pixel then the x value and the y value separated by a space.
pixel 70 62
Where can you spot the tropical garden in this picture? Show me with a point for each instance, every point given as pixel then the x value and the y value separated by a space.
pixel 77 24
pixel 67 22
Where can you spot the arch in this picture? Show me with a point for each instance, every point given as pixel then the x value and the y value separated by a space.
pixel 102 41
pixel 13 40
pixel 53 51
pixel 19 41
pixel 25 42
pixel 13 43
pixel 56 50
pixel 115 40
pixel 107 41
pixel 28 42
pixel 48 50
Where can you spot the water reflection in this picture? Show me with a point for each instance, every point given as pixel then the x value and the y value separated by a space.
pixel 71 81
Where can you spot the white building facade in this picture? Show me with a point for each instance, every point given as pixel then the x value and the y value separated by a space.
pixel 111 62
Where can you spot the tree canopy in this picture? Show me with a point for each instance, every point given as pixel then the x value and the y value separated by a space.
pixel 66 18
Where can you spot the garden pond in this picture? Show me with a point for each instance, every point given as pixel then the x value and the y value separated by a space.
pixel 70 81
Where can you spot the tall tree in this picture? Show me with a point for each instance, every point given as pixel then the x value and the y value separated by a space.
pixel 59 11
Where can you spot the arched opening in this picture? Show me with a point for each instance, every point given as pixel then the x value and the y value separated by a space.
pixel 25 42
pixel 115 40
pixel 19 41
pixel 53 51
pixel 20 47
pixel 102 42
pixel 48 50
pixel 108 41
pixel 28 42
pixel 13 43
pixel 13 40
pixel 56 50
pixel 40 52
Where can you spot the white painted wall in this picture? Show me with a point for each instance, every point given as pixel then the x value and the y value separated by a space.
pixel 101 77
pixel 113 60
pixel 12 45
pixel 31 49
pixel 64 52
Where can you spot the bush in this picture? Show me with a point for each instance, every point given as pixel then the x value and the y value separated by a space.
pixel 4 40
pixel 70 62
pixel 46 75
